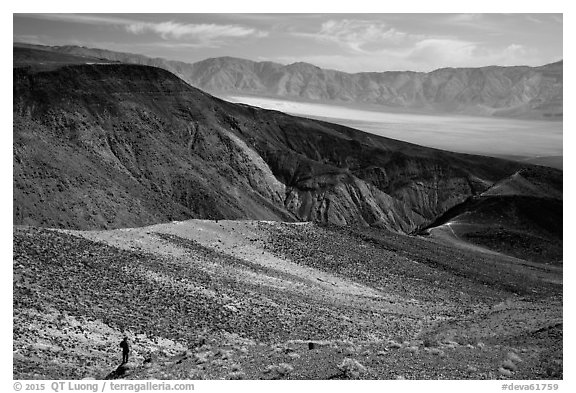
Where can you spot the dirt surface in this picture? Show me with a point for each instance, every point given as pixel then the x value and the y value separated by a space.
pixel 204 299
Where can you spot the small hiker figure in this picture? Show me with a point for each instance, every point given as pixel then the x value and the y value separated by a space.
pixel 125 350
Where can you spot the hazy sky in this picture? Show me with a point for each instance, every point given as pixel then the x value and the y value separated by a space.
pixel 347 42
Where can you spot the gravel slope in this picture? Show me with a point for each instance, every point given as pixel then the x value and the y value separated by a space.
pixel 243 299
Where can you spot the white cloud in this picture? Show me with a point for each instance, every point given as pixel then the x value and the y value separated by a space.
pixel 202 34
pixel 533 19
pixel 30 39
pixel 424 55
pixel 379 46
pixel 44 40
pixel 465 18
pixel 201 31
pixel 94 19
pixel 441 51
pixel 558 18
pixel 357 34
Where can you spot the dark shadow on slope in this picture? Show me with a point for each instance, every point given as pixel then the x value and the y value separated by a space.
pixel 524 227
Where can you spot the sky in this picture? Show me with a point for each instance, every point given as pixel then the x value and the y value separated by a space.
pixel 345 42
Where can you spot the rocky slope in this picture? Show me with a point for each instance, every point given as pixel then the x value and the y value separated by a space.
pixel 243 299
pixel 534 92
pixel 111 145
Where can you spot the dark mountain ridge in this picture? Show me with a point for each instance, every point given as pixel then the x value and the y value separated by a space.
pixel 520 215
pixel 516 91
pixel 113 145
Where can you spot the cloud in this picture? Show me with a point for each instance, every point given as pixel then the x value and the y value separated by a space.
pixel 201 34
pixel 441 51
pixel 43 39
pixel 357 34
pixel 465 18
pixel 202 31
pixel 30 39
pixel 533 19
pixel 558 18
pixel 380 46
pixel 478 23
pixel 94 19
pixel 424 55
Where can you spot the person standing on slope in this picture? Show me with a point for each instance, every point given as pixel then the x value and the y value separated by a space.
pixel 125 350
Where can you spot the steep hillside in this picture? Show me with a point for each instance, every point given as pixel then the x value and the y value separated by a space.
pixel 520 216
pixel 534 92
pixel 111 145
pixel 99 146
pixel 244 300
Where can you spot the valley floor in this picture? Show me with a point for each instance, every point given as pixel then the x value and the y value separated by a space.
pixel 204 299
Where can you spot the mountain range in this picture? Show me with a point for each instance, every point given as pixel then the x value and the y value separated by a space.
pixel 114 145
pixel 518 91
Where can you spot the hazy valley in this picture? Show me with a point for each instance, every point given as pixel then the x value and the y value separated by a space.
pixel 518 139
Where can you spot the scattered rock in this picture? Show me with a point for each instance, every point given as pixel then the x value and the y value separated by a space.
pixel 505 372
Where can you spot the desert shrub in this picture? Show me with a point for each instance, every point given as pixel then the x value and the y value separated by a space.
pixel 243 350
pixel 451 344
pixel 437 352
pixel 217 362
pixel 412 349
pixel 428 342
pixel 554 368
pixel 514 357
pixel 285 368
pixel 471 369
pixel 509 365
pixel 196 375
pixel 280 349
pixel 279 371
pixel 270 368
pixel 202 357
pixel 351 368
pixel 505 372
pixel 394 345
pixel 349 351
pixel 236 375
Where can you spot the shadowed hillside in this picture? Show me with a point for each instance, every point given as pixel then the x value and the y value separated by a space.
pixel 519 216
pixel 110 145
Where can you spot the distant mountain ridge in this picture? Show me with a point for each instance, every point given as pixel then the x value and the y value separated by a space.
pixel 115 145
pixel 516 91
